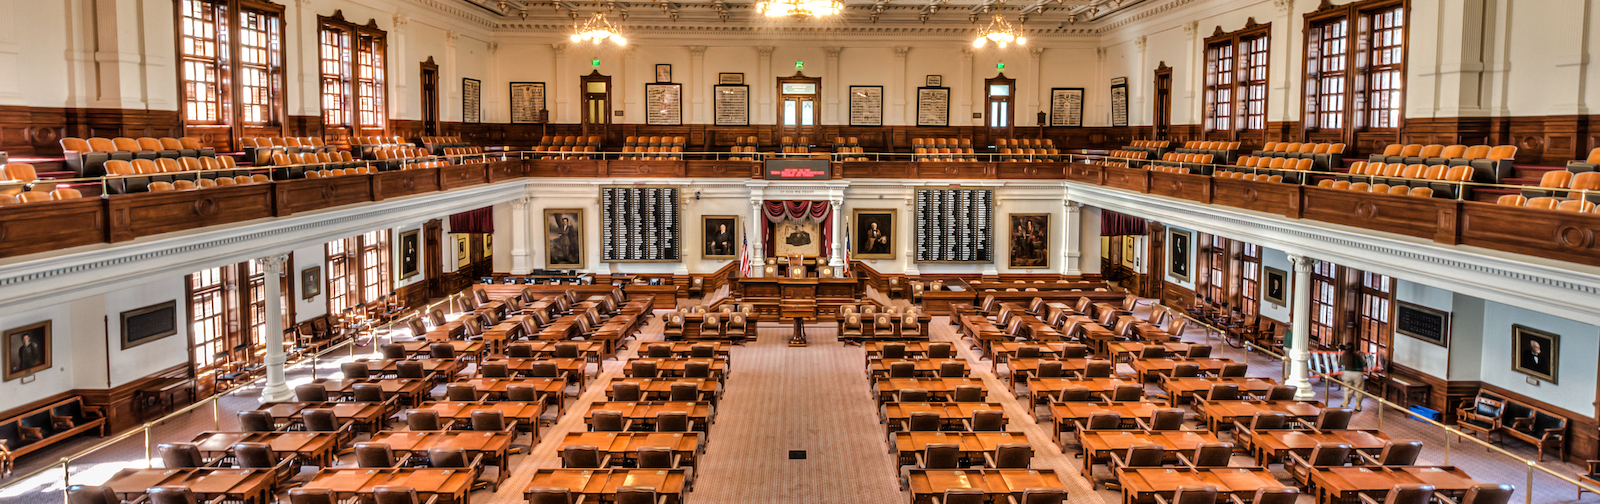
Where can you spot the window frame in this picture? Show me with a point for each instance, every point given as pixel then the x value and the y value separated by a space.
pixel 1324 298
pixel 1355 49
pixel 355 39
pixel 1374 325
pixel 1250 278
pixel 229 66
pixel 1227 83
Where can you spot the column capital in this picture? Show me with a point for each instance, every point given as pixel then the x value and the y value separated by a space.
pixel 1283 5
pixel 902 52
pixel 1072 206
pixel 1301 262
pixel 836 202
pixel 1139 42
pixel 273 263
pixel 765 51
pixel 400 19
pixel 697 51
pixel 494 47
pixel 450 37
pixel 1036 52
pixel 832 51
pixel 521 204
pixel 560 49
pixel 967 51
pixel 1100 54
pixel 1190 28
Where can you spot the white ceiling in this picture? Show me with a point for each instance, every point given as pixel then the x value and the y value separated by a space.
pixel 1056 16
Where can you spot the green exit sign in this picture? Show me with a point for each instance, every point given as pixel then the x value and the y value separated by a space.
pixel 997 66
pixel 799 65
pixel 594 62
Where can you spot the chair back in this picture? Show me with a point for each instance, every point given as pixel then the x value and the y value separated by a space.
pixel 1166 419
pixel 1269 420
pixel 988 420
pixel 546 495
pixel 654 457
pixel 659 351
pixel 1212 454
pixel 941 456
pixel 374 455
pixel 902 369
pixel 636 495
pixel 319 420
pixel 672 421
pixel 1127 393
pixel 1145 455
pixel 1185 370
pixel 1399 452
pixel 1412 493
pixel 1233 370
pixel 924 421
pixel 488 420
pixel 544 369
pixel 936 350
pixel 1334 418
pixel 254 456
pixel 1198 351
pixel 952 369
pixel 1281 393
pixel 1330 454
pixel 421 419
pixel 1013 456
pixel 355 370
pixel 684 392
pixel 912 395
pixel 442 351
pixel 1104 420
pixel 181 455
pixel 1097 369
pixel 968 393
pixel 256 421
pixel 1488 493
pixel 394 494
pixel 447 457
pixel 963 496
pixel 171 494
pixel 894 351
pixel 89 494
pixel 1050 369
pixel 396 350
pixel 1223 392
pixel 1193 494
pixel 311 392
pixel 580 456
pixel 643 368
pixel 606 421
pixel 1044 496
pixel 1276 495
pixel 625 392
pixel 522 393
pixel 410 369
pixel 520 351
pixel 460 392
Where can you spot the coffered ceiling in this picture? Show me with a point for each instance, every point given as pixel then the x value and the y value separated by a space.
pixel 1047 16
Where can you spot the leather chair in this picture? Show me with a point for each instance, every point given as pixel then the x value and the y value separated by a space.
pixel 911 328
pixel 952 369
pixel 584 457
pixel 912 395
pixel 1044 496
pixel 1233 370
pixel 566 350
pixel 460 393
pixel 493 370
pixel 711 326
pixel 442 351
pixel 850 329
pixel 1139 455
pixel 1208 455
pixel 89 494
pixel 522 393
pixel 1096 369
pixel 924 421
pixel 1484 493
pixel 1049 369
pixel 423 420
pixel 1077 394
pixel 986 421
pixel 394 494
pixel 1191 494
pixel 181 455
pixel 883 326
pixel 658 351
pixel 702 351
pixel 1198 352
pixel 1401 494
pixel 1026 352
pixel 607 421
pixel 696 369
pixel 1010 456
pixel 636 495
pixel 1164 419
pixel 894 350
pixel 1270 495
pixel 410 369
pixel 256 421
pixel 395 350
pixel 1333 419
pixel 1127 393
pixel 171 494
pixel 355 370
pixel 261 456
pixel 1324 455
pixel 643 369
pixel 672 421
pixel 684 392
pixel 520 351
pixel 1185 370
pixel 1281 393
pixel 939 350
pixel 311 392
pixel 549 495
pixel 962 496
pixel 1245 433
pixel 492 421
pixel 626 392
pixel 456 458
pixel 1395 453
pixel 544 369
pixel 736 327
pixel 375 455
pixel 968 393
pixel 902 369
pixel 1099 421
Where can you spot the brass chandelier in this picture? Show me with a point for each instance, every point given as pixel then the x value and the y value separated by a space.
pixel 799 9
pixel 598 29
pixel 1001 32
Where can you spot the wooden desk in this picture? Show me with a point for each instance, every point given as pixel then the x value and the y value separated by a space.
pixel 1064 413
pixel 249 486
pixel 1142 484
pixel 423 349
pixel 1040 387
pixel 412 391
pixel 973 444
pixel 550 390
pixel 1220 415
pixel 644 413
pixel 494 445
pixel 625 445
pixel 913 348
pixel 896 414
pixel 163 395
pixel 673 367
pixel 939 388
pixel 1131 349
pixel 660 388
pixel 1008 349
pixel 1099 445
pixel 929 483
pixel 1145 368
pixel 1270 446
pixel 1021 367
pixel 1340 484
pixel 546 349
pixel 921 367
pixel 444 369
pixel 367 417
pixel 1186 388
pixel 451 485
pixel 312 448
pixel 601 484
pixel 525 413
pixel 1406 392
pixel 576 370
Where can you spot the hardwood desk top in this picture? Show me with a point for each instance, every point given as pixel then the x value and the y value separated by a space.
pixel 603 482
pixel 1270 446
pixel 927 483
pixel 369 415
pixel 651 387
pixel 252 486
pixel 545 349
pixel 671 367
pixel 453 484
pixel 1009 348
pixel 1038 387
pixel 408 387
pixel 889 388
pixel 423 348
pixel 973 444
pixel 526 413
pixel 1144 368
pixel 445 367
pixel 1064 413
pixel 699 412
pixel 313 448
pixel 496 388
pixel 1185 387
pixel 1099 445
pixel 523 364
pixel 898 412
pixel 626 445
pixel 1021 367
pixel 1337 484
pixel 1222 414
pixel 471 441
pixel 1140 484
pixel 1132 348
pixel 921 367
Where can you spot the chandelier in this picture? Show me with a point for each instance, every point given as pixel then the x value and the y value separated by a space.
pixel 597 30
pixel 1001 32
pixel 799 9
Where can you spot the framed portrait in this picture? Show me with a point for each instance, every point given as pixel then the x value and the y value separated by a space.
pixel 1275 286
pixel 1178 253
pixel 1535 353
pixel 463 250
pixel 730 78
pixel 1030 241
pixel 797 237
pixel 872 233
pixel 311 282
pixel 27 350
pixel 563 238
pixel 934 81
pixel 663 72
pixel 410 253
pixel 1130 252
pixel 148 324
pixel 488 245
pixel 721 234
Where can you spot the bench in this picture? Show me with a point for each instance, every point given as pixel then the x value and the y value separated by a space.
pixel 1492 414
pixel 42 427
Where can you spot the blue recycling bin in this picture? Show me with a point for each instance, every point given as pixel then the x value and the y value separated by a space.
pixel 1424 411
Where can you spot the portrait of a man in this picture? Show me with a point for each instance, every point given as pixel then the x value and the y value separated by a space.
pixel 27 350
pixel 1274 292
pixel 1537 352
pixel 796 237
pixel 873 234
pixel 1178 256
pixel 410 253
pixel 564 238
pixel 721 237
pixel 1030 240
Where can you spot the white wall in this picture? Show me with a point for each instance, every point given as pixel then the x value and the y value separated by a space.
pixel 1274 258
pixel 1415 353
pixel 316 306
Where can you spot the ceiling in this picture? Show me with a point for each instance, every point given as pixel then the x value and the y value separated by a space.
pixel 1056 16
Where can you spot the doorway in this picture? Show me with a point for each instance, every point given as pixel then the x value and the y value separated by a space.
pixel 799 98
pixel 1162 112
pixel 430 98
pixel 596 104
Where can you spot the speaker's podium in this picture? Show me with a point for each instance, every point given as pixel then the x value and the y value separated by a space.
pixel 799 310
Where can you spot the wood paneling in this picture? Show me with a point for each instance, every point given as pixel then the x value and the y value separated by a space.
pixel 51 225
pixel 1395 214
pixel 1132 179
pixel 1282 199
pixel 394 184
pixel 1181 185
pixel 463 175
pixel 299 195
pixel 1568 236
pixel 565 168
pixel 734 169
pixel 877 169
pixel 135 215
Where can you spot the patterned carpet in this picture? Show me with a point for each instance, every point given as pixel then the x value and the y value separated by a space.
pixel 779 398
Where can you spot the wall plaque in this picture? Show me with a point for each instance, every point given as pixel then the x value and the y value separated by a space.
pixel 1066 107
pixel 639 224
pixel 933 106
pixel 663 104
pixel 732 103
pixel 1423 323
pixel 471 101
pixel 1119 102
pixel 954 225
pixel 866 105
pixel 527 99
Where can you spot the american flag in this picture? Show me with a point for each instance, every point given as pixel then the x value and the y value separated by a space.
pixel 744 257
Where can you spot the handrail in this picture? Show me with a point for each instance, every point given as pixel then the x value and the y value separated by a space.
pixel 214 399
pixel 1382 402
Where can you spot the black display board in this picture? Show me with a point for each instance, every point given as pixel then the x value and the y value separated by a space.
pixel 1422 323
pixel 955 225
pixel 640 224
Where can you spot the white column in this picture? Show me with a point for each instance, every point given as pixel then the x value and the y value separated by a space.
pixel 836 258
pixel 521 259
pixel 450 79
pixel 902 89
pixel 1036 60
pixel 1290 106
pixel 908 235
pixel 765 85
pixel 118 57
pixel 400 66
pixel 1089 240
pixel 1301 341
pixel 1071 248
pixel 631 111
pixel 757 257
pixel 835 89
pixel 1191 31
pixel 963 90
pixel 1136 86
pixel 493 108
pixel 308 95
pixel 276 389
pixel 696 86
pixel 559 85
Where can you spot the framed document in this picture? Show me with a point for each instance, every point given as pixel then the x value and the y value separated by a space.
pixel 1119 102
pixel 933 106
pixel 730 78
pixel 639 224
pixel 471 101
pixel 527 99
pixel 663 105
pixel 934 81
pixel 866 105
pixel 663 72
pixel 1066 107
pixel 953 225
pixel 148 324
pixel 732 104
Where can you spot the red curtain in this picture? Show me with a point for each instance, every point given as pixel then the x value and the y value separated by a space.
pixel 814 211
pixel 473 221
pixel 1116 224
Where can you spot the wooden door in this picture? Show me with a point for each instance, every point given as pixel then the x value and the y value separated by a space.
pixel 1162 112
pixel 430 98
pixel 596 90
pixel 799 106
pixel 433 257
